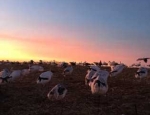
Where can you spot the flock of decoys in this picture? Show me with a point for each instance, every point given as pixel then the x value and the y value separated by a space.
pixel 95 78
pixel 57 92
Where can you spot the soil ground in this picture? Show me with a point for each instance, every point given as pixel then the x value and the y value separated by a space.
pixel 126 95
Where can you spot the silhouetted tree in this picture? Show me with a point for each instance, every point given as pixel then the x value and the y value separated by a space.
pixel 73 63
pixel 17 63
pixel 100 63
pixel 40 62
pixel 31 62
pixel 96 63
pixel 24 62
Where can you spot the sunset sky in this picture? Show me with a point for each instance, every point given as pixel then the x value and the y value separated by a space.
pixel 75 30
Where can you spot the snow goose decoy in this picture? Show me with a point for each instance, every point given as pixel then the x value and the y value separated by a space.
pixel 98 82
pixel 141 72
pixel 116 69
pixel 113 63
pixel 68 70
pixel 35 68
pixel 58 92
pixel 4 76
pixel 62 64
pixel 15 74
pixel 90 72
pixel 45 77
pixel 26 71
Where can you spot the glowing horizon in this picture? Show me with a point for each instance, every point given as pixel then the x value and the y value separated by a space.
pixel 16 51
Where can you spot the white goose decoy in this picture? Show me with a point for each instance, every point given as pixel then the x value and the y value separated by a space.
pixel 113 63
pixel 141 72
pixel 136 65
pixel 58 92
pixel 25 72
pixel 98 82
pixel 116 69
pixel 35 68
pixel 44 77
pixel 4 76
pixel 94 67
pixel 68 70
pixel 104 63
pixel 89 75
pixel 62 64
pixel 15 74
pixel 90 72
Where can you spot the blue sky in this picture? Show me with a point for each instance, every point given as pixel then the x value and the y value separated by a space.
pixel 105 28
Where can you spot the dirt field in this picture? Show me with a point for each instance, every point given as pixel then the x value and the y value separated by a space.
pixel 126 95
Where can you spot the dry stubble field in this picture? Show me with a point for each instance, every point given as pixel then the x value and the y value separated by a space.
pixel 125 96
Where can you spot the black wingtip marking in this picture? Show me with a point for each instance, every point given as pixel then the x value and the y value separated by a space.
pixel 100 83
pixel 42 78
